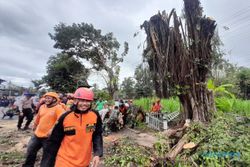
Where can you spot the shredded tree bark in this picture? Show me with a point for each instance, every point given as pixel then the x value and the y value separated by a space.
pixel 180 57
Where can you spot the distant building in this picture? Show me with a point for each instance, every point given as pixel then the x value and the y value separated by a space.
pixel 8 89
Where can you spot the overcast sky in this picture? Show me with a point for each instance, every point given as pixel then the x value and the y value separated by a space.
pixel 25 24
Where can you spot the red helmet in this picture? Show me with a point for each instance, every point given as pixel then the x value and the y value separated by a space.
pixel 84 93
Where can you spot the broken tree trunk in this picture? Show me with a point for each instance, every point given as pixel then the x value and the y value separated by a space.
pixel 182 57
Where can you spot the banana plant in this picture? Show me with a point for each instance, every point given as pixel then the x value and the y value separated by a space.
pixel 222 102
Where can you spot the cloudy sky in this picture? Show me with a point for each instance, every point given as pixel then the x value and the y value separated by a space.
pixel 25 24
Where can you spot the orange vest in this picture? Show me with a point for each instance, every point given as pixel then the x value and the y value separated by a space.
pixel 46 119
pixel 76 146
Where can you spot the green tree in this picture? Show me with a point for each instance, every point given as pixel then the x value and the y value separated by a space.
pixel 127 87
pixel 144 83
pixel 84 41
pixel 64 73
pixel 102 94
pixel 243 81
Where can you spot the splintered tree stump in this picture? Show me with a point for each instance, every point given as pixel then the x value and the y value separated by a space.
pixel 180 57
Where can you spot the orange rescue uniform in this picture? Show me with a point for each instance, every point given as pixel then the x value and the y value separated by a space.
pixel 46 119
pixel 72 140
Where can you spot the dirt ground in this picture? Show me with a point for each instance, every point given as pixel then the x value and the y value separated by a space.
pixel 13 143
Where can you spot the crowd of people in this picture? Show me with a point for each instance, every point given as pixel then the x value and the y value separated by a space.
pixel 61 122
pixel 5 101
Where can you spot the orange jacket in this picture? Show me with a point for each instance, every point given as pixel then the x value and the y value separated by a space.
pixel 157 107
pixel 72 140
pixel 46 119
pixel 63 106
pixel 153 109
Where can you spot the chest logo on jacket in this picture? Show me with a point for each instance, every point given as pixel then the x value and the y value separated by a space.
pixel 90 128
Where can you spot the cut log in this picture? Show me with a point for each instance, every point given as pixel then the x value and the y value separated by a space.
pixel 189 145
pixel 172 132
pixel 177 148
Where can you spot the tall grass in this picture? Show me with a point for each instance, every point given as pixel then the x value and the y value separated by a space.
pixel 242 107
pixel 233 105
pixel 169 105
pixel 223 104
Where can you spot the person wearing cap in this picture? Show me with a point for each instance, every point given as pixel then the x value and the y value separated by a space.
pixel 76 133
pixel 44 122
pixel 25 110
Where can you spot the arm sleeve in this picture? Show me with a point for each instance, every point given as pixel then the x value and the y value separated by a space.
pixel 37 119
pixel 20 104
pixel 54 143
pixel 97 137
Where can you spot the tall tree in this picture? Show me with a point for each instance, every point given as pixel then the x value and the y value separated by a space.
pixel 127 87
pixel 64 72
pixel 185 55
pixel 88 43
pixel 158 69
pixel 144 82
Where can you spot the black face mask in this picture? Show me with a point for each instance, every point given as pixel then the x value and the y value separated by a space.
pixel 75 109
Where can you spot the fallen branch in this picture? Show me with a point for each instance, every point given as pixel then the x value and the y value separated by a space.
pixel 177 148
pixel 172 132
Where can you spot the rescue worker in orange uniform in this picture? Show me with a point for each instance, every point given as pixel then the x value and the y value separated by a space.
pixel 45 120
pixel 77 131
pixel 158 106
pixel 70 101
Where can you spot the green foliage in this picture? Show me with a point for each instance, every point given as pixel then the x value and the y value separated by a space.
pixel 161 147
pixel 242 107
pixel 127 153
pixel 238 106
pixel 144 83
pixel 11 158
pixel 171 105
pixel 127 87
pixel 243 81
pixel 144 103
pixel 103 94
pixel 220 90
pixel 168 105
pixel 64 73
pixel 225 136
pixel 85 41
pixel 224 104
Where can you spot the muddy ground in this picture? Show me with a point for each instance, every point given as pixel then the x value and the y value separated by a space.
pixel 13 143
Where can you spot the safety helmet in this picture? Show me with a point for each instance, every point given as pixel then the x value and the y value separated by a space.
pixel 84 93
pixel 52 94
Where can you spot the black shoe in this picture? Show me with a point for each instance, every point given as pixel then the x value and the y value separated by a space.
pixel 26 128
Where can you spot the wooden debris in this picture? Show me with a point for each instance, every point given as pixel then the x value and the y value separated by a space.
pixel 177 148
pixel 189 145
